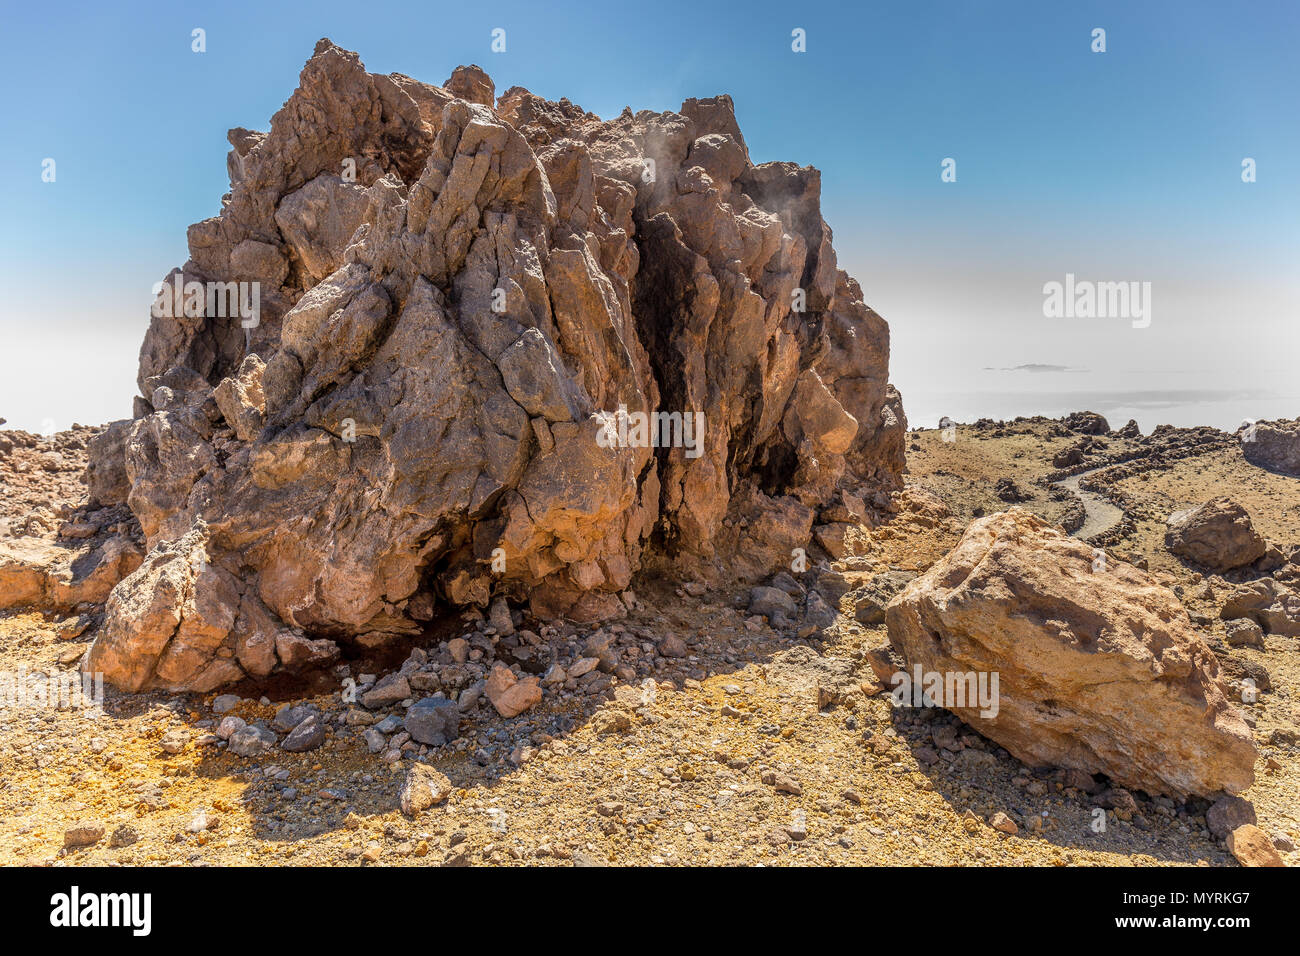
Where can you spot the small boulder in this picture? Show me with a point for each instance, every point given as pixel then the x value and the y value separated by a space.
pixel 229 724
pixel 1245 633
pixel 1273 445
pixel 1272 606
pixel 670 646
pixel 123 836
pixel 1004 824
pixel 499 617
pixel 1087 423
pixel 1007 490
pixel 772 603
pixel 1068 457
pixel 870 600
pixel 817 614
pixel 288 717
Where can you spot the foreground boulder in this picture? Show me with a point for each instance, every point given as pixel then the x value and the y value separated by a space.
pixel 466 313
pixel 1217 535
pixel 1098 670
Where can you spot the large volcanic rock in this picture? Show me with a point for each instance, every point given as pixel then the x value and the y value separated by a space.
pixel 456 300
pixel 1098 670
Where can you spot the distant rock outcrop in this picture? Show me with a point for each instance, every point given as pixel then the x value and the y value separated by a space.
pixel 1099 668
pixel 458 308
pixel 1273 445
pixel 1087 423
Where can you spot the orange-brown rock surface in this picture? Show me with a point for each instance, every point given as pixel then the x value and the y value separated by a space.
pixel 61 549
pixel 1099 667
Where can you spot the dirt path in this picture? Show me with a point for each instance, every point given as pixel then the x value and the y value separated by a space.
pixel 1101 514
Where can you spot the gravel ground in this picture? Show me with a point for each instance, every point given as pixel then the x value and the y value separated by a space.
pixel 718 740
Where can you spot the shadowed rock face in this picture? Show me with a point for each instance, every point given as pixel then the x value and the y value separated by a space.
pixel 1099 668
pixel 420 415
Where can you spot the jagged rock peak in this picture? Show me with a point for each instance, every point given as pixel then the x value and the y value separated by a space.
pixel 461 351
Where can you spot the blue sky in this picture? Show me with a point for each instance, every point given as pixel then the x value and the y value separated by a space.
pixel 1123 165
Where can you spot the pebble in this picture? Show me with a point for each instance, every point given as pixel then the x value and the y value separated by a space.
pixel 389 724
pixel 359 718
pixel 251 741
pixel 83 834
pixel 798 828
pixel 432 721
pixel 391 689
pixel 583 666
pixel 1252 847
pixel 229 725
pixel 782 783
pixel 307 735
pixel 1003 823
pixel 287 718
